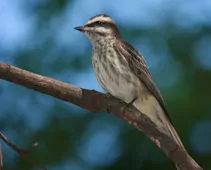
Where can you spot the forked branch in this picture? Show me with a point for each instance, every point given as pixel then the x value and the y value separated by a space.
pixel 22 152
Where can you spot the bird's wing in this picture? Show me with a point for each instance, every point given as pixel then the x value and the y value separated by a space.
pixel 138 66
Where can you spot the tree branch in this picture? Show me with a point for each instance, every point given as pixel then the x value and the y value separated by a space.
pixel 95 101
pixel 23 153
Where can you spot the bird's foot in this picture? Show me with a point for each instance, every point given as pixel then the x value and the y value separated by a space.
pixel 132 101
pixel 109 95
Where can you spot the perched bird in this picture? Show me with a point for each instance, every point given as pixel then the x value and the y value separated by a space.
pixel 122 72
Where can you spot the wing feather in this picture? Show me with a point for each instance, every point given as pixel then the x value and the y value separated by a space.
pixel 139 67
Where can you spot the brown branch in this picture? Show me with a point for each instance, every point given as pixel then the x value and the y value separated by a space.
pixel 22 152
pixel 95 102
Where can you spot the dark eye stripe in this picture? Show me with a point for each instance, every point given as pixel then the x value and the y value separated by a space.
pixel 90 25
pixel 103 24
pixel 109 25
pixel 97 23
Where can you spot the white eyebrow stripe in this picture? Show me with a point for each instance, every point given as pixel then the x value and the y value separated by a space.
pixel 100 18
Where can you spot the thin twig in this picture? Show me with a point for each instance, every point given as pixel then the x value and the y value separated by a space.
pixel 22 152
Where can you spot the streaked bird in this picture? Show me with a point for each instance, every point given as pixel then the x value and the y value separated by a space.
pixel 122 72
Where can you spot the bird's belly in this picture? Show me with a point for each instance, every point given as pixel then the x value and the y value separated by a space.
pixel 121 89
pixel 118 81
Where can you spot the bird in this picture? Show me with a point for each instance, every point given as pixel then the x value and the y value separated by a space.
pixel 123 72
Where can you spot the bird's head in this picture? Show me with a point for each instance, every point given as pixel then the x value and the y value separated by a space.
pixel 100 27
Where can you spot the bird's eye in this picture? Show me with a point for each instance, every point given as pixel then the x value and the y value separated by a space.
pixel 99 23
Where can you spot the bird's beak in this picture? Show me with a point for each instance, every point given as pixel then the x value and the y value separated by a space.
pixel 80 28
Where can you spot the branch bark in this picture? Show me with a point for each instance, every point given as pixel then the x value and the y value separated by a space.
pixel 95 101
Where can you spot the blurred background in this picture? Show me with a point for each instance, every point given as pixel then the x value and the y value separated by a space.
pixel 38 35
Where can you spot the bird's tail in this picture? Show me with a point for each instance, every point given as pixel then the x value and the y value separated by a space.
pixel 184 164
pixel 175 135
pixel 152 109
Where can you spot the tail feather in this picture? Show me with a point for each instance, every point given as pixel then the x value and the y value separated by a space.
pixel 188 164
pixel 151 107
pixel 175 135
